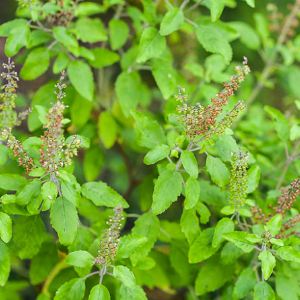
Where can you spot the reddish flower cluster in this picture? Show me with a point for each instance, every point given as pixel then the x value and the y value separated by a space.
pixel 201 120
pixel 110 239
pixel 55 153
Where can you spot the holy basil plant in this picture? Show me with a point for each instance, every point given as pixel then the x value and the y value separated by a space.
pixel 141 158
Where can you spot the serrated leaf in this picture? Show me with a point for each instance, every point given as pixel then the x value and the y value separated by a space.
pixel 223 226
pixel 129 244
pixel 189 224
pixel 238 238
pixel 289 254
pixel 101 194
pixel 213 41
pixel 136 293
pixel 202 249
pixel 268 263
pixel 217 170
pixel 167 188
pixel 5 227
pixel 64 220
pixel 71 290
pixel 125 275
pixel 152 44
pixel 189 163
pixel 28 191
pixel 172 21
pixel 64 36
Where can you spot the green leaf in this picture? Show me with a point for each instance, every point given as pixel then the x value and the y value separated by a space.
pixel 149 132
pixel 201 249
pixel 136 293
pixel 101 194
pixel 172 21
pixel 37 38
pixel 189 224
pixel 18 37
pixel 192 191
pixel 217 170
pixel 226 145
pixel 156 154
pixel 108 137
pixel 49 193
pixel 118 33
pixel 99 292
pixel 71 290
pixel 91 30
pixel 28 191
pixel 224 225
pixel 294 132
pixel 165 76
pixel 81 77
pixel 5 227
pixel 28 234
pixel 253 179
pixel 88 9
pixel 262 291
pixel 248 35
pixel 61 63
pixel 167 188
pixel 244 284
pixel 3 154
pixel 268 263
pixel 289 254
pixel 64 36
pixel 43 263
pixel 36 64
pixel 125 275
pixel 189 163
pixel 212 276
pixel 93 161
pixel 79 259
pixel 216 9
pixel 277 242
pixel 103 58
pixel 64 219
pixel 238 238
pixel 281 124
pixel 213 41
pixel 228 210
pixel 286 288
pixel 129 244
pixel 11 182
pixel 4 263
pixel 203 211
pixel 150 11
pixel 274 225
pixel 152 44
pixel 251 3
pixel 6 28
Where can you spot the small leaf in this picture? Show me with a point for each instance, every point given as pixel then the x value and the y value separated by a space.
pixel 216 9
pixel 156 154
pixel 108 137
pixel 129 244
pixel 268 263
pixel 172 21
pixel 64 36
pixel 118 33
pixel 4 263
pixel 125 275
pixel 253 179
pixel 79 259
pixel 244 284
pixel 289 254
pixel 238 238
pixel 189 163
pixel 223 226
pixel 274 225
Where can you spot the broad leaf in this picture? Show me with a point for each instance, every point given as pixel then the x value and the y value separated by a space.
pixel 274 225
pixel 172 21
pixel 189 163
pixel 99 292
pixel 4 263
pixel 79 259
pixel 18 37
pixel 268 263
pixel 238 238
pixel 125 275
pixel 5 227
pixel 262 291
pixel 217 170
pixel 192 191
pixel 224 225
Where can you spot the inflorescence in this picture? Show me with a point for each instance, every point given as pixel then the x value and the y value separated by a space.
pixel 201 120
pixel 110 239
pixel 238 180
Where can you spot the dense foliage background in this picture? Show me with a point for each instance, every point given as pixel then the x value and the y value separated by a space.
pixel 197 210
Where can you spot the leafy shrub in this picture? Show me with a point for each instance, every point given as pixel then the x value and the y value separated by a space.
pixel 115 193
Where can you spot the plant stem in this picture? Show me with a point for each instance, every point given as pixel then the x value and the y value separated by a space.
pixel 91 274
pixel 193 6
